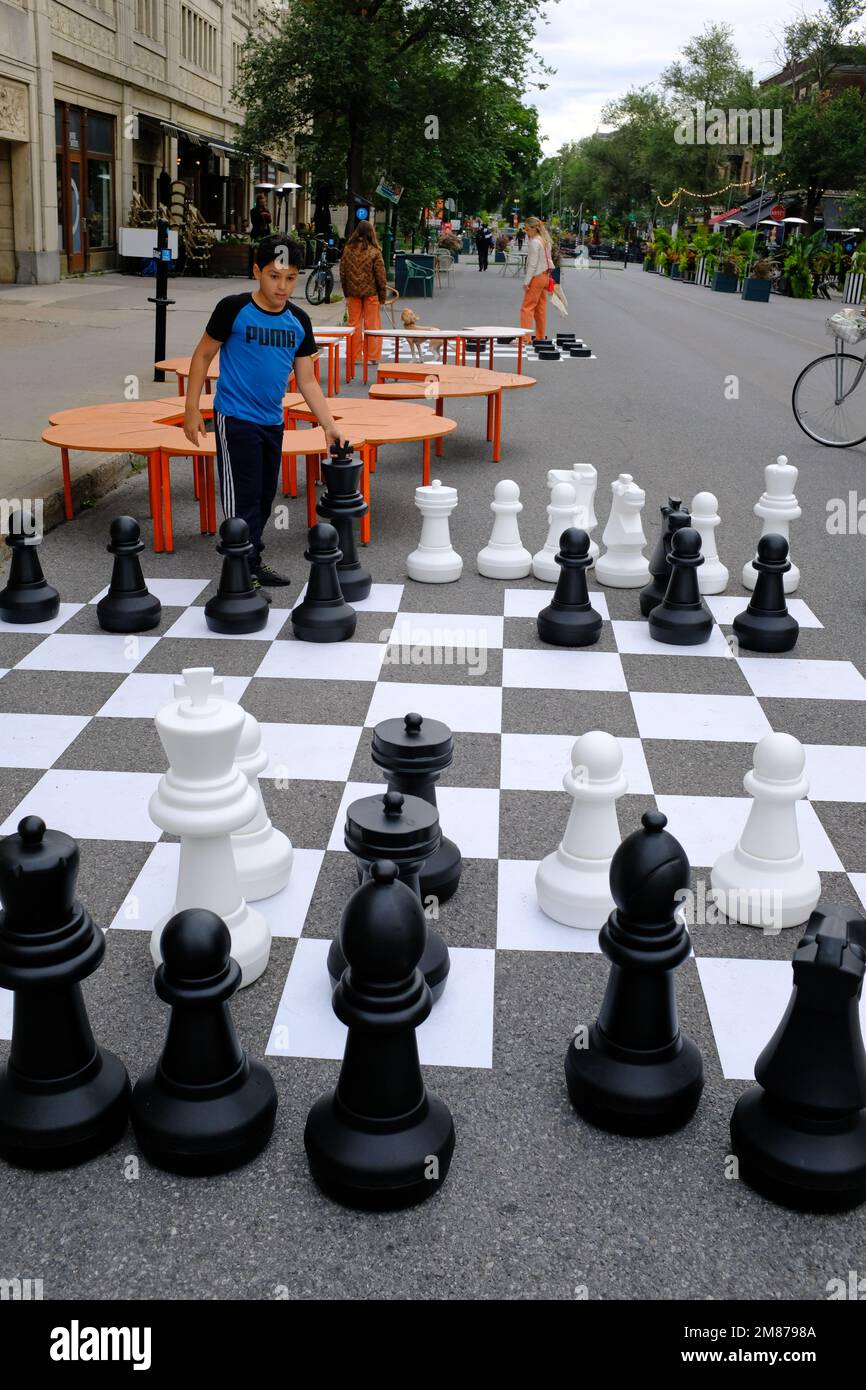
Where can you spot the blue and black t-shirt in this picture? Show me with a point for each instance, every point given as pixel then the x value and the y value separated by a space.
pixel 257 355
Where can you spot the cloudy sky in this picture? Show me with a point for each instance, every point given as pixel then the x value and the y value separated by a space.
pixel 600 50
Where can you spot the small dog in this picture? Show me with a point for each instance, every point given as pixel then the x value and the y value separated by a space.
pixel 409 319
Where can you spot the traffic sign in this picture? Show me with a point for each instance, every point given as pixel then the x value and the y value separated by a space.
pixel 777 212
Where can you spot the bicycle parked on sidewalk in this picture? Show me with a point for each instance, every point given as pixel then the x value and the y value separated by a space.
pixel 824 399
pixel 320 281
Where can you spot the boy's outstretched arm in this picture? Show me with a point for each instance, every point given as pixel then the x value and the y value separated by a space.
pixel 206 351
pixel 312 393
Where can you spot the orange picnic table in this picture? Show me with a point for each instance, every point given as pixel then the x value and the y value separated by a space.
pixel 437 381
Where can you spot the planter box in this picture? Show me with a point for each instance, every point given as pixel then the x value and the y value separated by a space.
pixel 499 257
pixel 753 288
pixel 725 284
pixel 648 266
pixel 675 272
pixel 230 259
pixel 852 292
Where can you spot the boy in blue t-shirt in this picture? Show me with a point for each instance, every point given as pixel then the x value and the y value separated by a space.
pixel 261 338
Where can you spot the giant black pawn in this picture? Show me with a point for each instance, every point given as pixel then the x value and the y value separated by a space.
pixel 766 625
pixel 682 619
pixel 800 1134
pixel 673 519
pixel 62 1099
pixel 404 829
pixel 413 752
pixel 381 1140
pixel 128 606
pixel 342 504
pixel 206 1106
pixel 569 620
pixel 636 1073
pixel 27 597
pixel 324 615
pixel 236 607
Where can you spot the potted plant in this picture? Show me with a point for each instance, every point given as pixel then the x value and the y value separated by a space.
pixel 231 256
pixel 757 283
pixel 798 267
pixel 852 290
pixel 728 266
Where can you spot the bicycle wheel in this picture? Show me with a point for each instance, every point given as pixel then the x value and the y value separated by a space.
pixel 315 287
pixel 838 426
pixel 329 285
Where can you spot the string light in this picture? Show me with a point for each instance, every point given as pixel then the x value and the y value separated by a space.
pixel 746 183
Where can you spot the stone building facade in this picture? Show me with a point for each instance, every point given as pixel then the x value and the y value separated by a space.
pixel 102 97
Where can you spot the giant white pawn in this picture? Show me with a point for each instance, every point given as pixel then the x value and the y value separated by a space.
pixel 712 575
pixel 623 564
pixel 764 881
pixel 572 883
pixel 505 556
pixel 203 798
pixel 435 561
pixel 584 479
pixel 263 854
pixel 560 516
pixel 777 507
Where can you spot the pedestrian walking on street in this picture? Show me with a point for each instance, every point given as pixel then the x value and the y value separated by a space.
pixel 482 246
pixel 364 282
pixel 521 237
pixel 536 279
pixel 260 226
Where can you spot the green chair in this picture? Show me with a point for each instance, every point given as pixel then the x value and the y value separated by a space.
pixel 422 273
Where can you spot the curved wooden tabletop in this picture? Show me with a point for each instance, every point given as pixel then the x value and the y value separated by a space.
pixel 382 423
pixel 180 366
pixel 450 372
pixel 411 390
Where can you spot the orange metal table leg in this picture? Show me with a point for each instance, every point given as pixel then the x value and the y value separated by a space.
pixel 497 426
pixel 195 478
pixel 155 491
pixel 200 492
pixel 336 369
pixel 165 479
pixel 425 463
pixel 440 411
pixel 519 353
pixel 210 491
pixel 491 353
pixel 293 475
pixel 368 453
pixel 312 462
pixel 180 383
pixel 365 352
pixel 490 416
pixel 67 484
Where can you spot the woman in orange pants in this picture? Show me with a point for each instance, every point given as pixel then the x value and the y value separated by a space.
pixel 533 310
pixel 363 280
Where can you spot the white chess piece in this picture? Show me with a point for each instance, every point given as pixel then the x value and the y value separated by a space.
pixel 560 515
pixel 777 507
pixel 584 479
pixel 263 854
pixel 764 880
pixel 435 561
pixel 202 798
pixel 572 883
pixel 623 564
pixel 505 556
pixel 712 574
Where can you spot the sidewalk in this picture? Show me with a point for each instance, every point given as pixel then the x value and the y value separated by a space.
pixel 85 341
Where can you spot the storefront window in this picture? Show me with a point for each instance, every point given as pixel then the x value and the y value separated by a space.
pixel 100 134
pixel 99 202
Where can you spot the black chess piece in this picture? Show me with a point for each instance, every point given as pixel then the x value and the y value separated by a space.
pixel 324 615
pixel 655 590
pixel 766 625
pixel 381 1140
pixel 128 606
pixel 406 830
pixel 413 752
pixel 569 620
pixel 342 504
pixel 800 1134
pixel 682 619
pixel 206 1106
pixel 236 606
pixel 27 597
pixel 62 1099
pixel 636 1073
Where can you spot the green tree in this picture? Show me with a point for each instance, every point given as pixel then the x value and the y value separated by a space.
pixel 824 144
pixel 822 41
pixel 425 92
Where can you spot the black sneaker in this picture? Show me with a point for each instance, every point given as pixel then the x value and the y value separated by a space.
pixel 266 575
pixel 256 586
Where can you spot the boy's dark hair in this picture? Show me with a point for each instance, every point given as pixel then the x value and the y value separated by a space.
pixel 283 249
